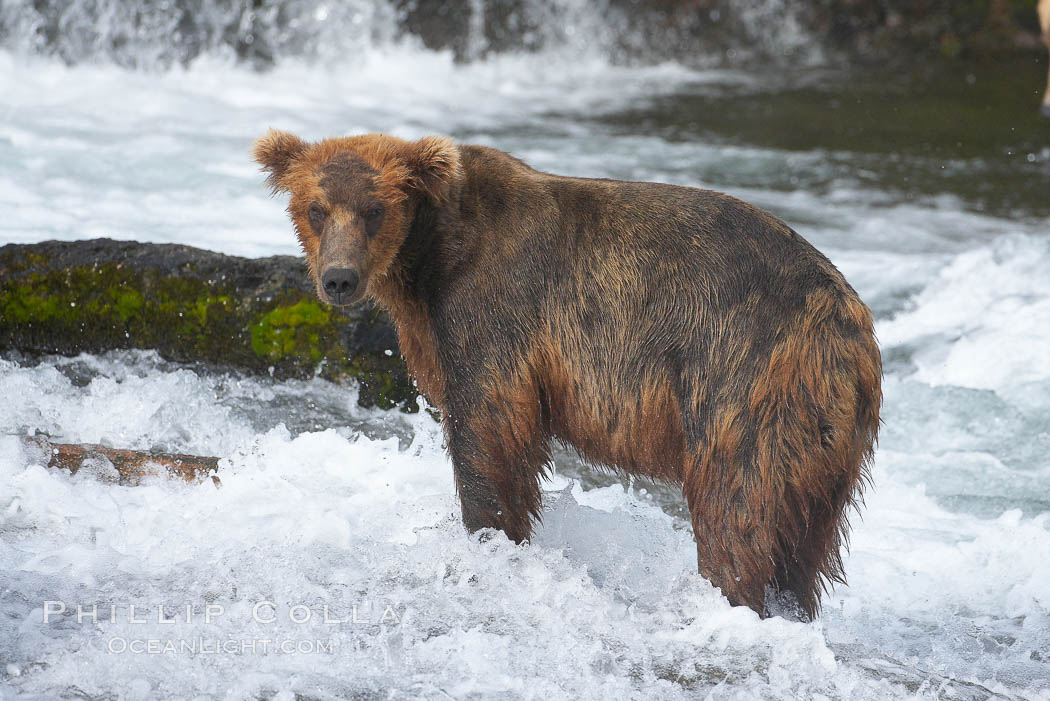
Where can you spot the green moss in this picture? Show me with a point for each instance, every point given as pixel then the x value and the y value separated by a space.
pixel 127 303
pixel 94 307
pixel 383 380
pixel 26 304
pixel 291 331
pixel 101 306
pixel 200 309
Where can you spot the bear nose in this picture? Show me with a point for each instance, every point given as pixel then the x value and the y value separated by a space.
pixel 339 284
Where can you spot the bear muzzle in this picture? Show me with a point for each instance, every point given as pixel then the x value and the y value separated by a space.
pixel 340 285
pixel 342 260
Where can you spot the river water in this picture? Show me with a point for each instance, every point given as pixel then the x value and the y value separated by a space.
pixel 336 532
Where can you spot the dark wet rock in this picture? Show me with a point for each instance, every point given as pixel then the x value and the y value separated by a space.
pixel 727 32
pixel 195 306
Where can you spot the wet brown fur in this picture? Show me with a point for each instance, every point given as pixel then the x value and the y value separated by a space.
pixel 665 331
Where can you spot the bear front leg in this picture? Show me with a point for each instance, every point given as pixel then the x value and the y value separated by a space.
pixel 499 449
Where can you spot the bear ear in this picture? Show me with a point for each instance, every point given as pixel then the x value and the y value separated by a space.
pixel 433 165
pixel 275 152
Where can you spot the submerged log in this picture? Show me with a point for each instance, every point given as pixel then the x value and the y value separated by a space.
pixel 195 306
pixel 127 467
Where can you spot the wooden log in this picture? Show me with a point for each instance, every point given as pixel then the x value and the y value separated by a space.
pixel 131 466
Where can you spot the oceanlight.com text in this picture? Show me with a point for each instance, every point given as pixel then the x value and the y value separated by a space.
pixel 228 646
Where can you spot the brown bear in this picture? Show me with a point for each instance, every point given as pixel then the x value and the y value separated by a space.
pixel 664 331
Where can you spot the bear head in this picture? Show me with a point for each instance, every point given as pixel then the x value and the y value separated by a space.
pixel 353 200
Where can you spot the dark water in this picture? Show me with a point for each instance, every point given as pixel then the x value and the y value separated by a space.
pixel 970 129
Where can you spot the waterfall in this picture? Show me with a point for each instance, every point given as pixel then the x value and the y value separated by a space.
pixel 262 32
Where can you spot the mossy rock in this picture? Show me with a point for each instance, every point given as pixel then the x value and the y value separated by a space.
pixel 194 306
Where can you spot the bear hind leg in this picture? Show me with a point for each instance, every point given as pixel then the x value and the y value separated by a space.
pixel 733 553
pixel 755 526
pixel 803 573
pixel 810 551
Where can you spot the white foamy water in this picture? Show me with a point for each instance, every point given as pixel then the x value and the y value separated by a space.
pixel 330 510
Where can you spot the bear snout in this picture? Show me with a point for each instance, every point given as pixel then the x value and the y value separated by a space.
pixel 340 284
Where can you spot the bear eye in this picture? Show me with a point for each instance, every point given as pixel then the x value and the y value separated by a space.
pixel 317 216
pixel 374 212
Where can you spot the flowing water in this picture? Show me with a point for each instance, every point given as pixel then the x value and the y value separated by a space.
pixel 336 537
